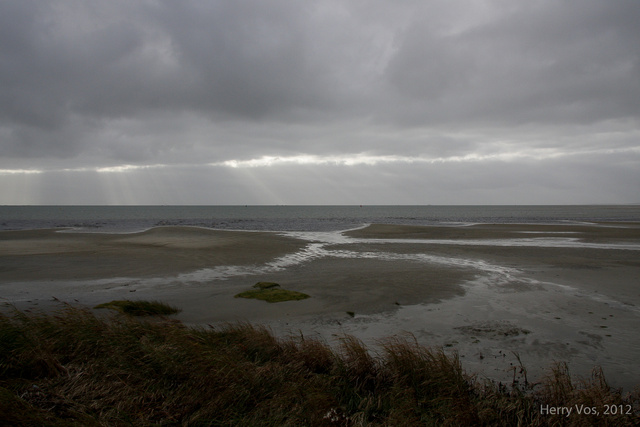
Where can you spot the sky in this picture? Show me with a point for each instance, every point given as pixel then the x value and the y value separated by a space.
pixel 229 102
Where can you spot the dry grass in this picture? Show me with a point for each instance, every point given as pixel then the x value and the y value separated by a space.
pixel 140 308
pixel 73 368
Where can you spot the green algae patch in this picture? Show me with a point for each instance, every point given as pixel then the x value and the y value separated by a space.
pixel 140 308
pixel 271 292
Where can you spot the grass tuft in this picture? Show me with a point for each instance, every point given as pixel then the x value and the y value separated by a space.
pixel 140 308
pixel 73 368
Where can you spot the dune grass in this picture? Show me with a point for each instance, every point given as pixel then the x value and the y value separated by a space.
pixel 140 308
pixel 73 368
pixel 271 292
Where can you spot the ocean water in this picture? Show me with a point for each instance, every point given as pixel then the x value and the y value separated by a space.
pixel 297 218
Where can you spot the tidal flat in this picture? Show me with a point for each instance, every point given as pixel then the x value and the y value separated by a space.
pixel 496 295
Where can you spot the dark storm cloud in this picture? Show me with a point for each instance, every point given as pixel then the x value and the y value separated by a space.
pixel 243 59
pixel 542 62
pixel 159 82
pixel 224 59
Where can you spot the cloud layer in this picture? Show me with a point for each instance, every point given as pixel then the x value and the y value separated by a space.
pixel 319 102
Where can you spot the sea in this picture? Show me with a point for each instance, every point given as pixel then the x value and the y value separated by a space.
pixel 127 219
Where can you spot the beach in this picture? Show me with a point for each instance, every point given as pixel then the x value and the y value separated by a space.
pixel 498 294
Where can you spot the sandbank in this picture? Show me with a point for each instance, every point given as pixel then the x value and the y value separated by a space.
pixel 33 255
pixel 588 232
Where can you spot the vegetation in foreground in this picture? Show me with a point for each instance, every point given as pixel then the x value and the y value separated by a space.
pixel 73 368
pixel 140 308
pixel 271 292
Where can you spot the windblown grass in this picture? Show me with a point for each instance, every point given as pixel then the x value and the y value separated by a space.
pixel 73 368
pixel 271 292
pixel 140 308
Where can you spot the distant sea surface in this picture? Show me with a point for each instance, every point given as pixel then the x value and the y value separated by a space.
pixel 111 219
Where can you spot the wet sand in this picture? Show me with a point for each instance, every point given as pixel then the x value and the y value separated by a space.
pixel 183 265
pixel 546 292
pixel 600 232
pixel 163 251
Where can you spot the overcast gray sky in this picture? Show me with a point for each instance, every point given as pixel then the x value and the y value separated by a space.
pixel 319 102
